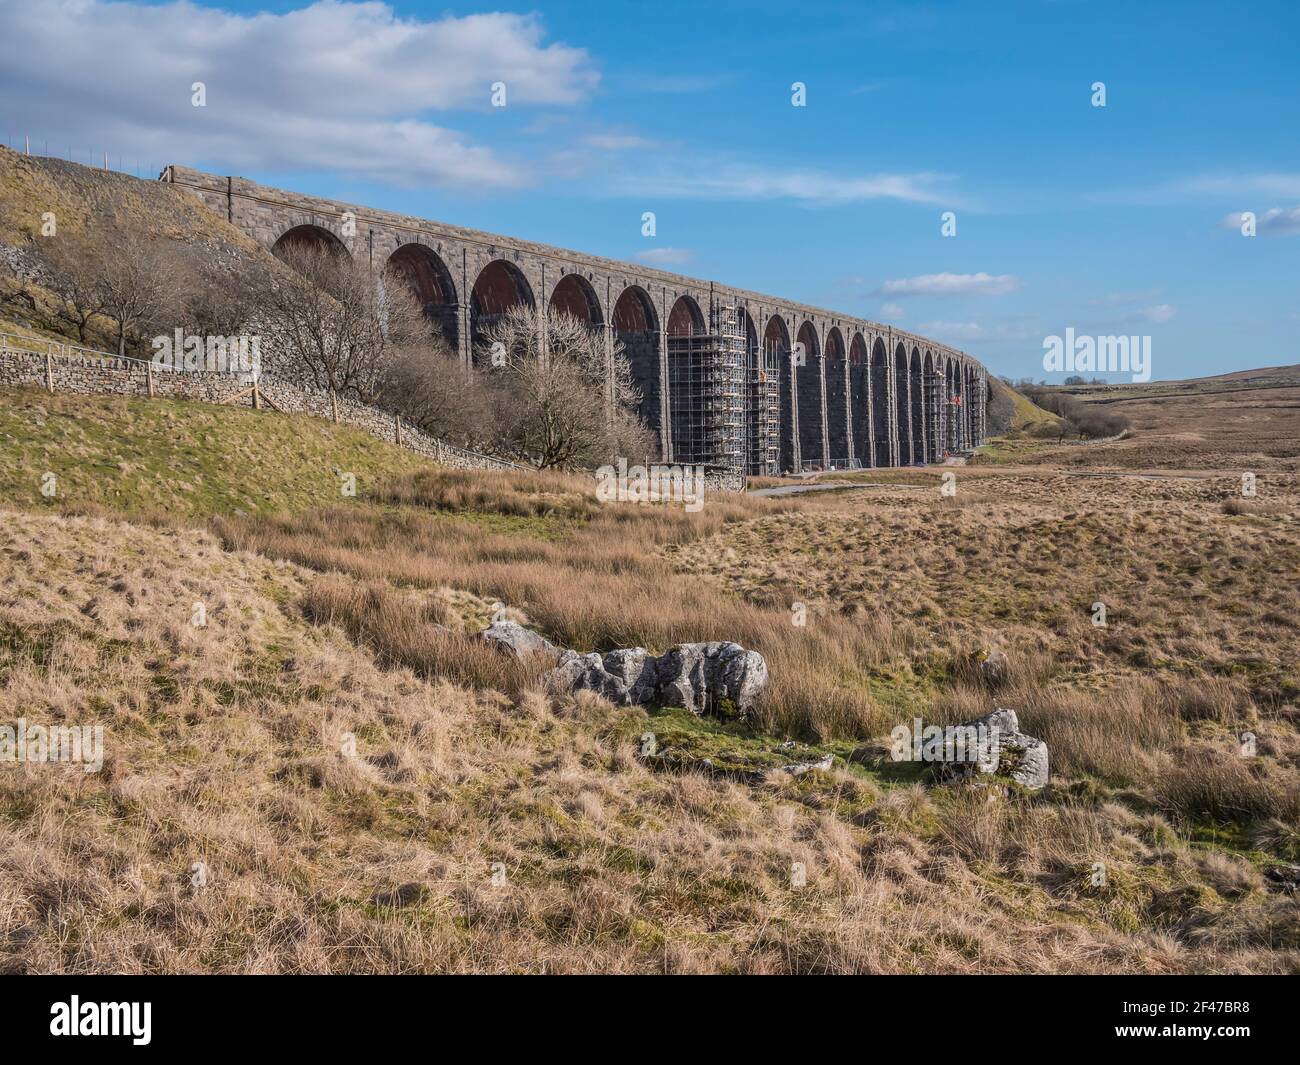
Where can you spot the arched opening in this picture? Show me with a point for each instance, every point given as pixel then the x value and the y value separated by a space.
pixel 882 437
pixel 902 406
pixel 837 400
pixel 426 275
pixel 808 381
pixel 860 400
pixel 298 246
pixel 499 287
pixel 776 351
pixel 685 319
pixel 575 297
pixel 306 239
pixel 637 327
pixel 763 409
pixel 917 407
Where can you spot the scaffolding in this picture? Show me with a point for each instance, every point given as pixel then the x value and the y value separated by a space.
pixel 763 428
pixel 936 409
pixel 706 373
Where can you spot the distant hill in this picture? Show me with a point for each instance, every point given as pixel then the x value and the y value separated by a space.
pixel 1012 412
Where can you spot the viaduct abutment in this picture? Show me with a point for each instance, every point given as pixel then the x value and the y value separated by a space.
pixel 728 377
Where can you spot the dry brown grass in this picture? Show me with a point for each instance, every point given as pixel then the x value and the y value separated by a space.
pixel 592 577
pixel 231 744
pixel 226 747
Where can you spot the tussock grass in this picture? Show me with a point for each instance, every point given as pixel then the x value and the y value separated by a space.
pixel 590 578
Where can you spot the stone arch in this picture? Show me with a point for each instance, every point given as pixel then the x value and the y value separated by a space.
pixel 499 287
pixel 776 350
pixel 902 405
pixel 838 437
pixel 636 325
pixel 307 237
pixel 685 319
pixel 916 405
pixel 882 452
pixel 573 295
pixel 809 380
pixel 422 270
pixel 860 399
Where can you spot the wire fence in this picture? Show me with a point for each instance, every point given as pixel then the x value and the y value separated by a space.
pixel 98 158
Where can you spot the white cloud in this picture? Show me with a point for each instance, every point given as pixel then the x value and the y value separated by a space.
pixel 891 311
pixel 665 256
pixel 693 177
pixel 617 142
pixel 1112 299
pixel 1275 222
pixel 980 284
pixel 1158 315
pixel 334 85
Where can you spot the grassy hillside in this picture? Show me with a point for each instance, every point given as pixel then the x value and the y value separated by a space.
pixel 178 457
pixel 110 203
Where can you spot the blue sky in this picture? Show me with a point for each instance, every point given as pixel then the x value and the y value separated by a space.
pixel 1106 220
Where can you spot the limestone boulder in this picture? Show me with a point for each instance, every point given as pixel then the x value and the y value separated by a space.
pixel 625 677
pixel 1002 749
pixel 515 639
pixel 702 676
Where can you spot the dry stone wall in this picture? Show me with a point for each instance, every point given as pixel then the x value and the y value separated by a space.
pixel 132 377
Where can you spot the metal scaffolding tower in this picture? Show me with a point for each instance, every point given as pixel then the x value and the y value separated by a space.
pixel 936 409
pixel 763 428
pixel 706 375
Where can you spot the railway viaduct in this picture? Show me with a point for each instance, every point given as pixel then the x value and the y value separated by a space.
pixel 728 377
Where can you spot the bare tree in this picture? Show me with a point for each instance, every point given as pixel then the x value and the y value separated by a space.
pixel 73 261
pixel 565 402
pixel 136 282
pixel 338 323
pixel 221 300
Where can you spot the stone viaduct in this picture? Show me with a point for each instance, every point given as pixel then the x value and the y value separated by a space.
pixel 730 378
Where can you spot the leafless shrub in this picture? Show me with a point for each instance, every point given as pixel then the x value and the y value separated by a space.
pixel 434 390
pixel 338 323
pixel 562 400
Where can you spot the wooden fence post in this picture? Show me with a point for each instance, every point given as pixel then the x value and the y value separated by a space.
pixel 148 369
pixel 397 429
pixel 49 372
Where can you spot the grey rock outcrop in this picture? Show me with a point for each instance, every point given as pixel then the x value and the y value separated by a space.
pixel 697 676
pixel 996 667
pixel 700 676
pixel 1003 750
pixel 624 677
pixel 514 638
